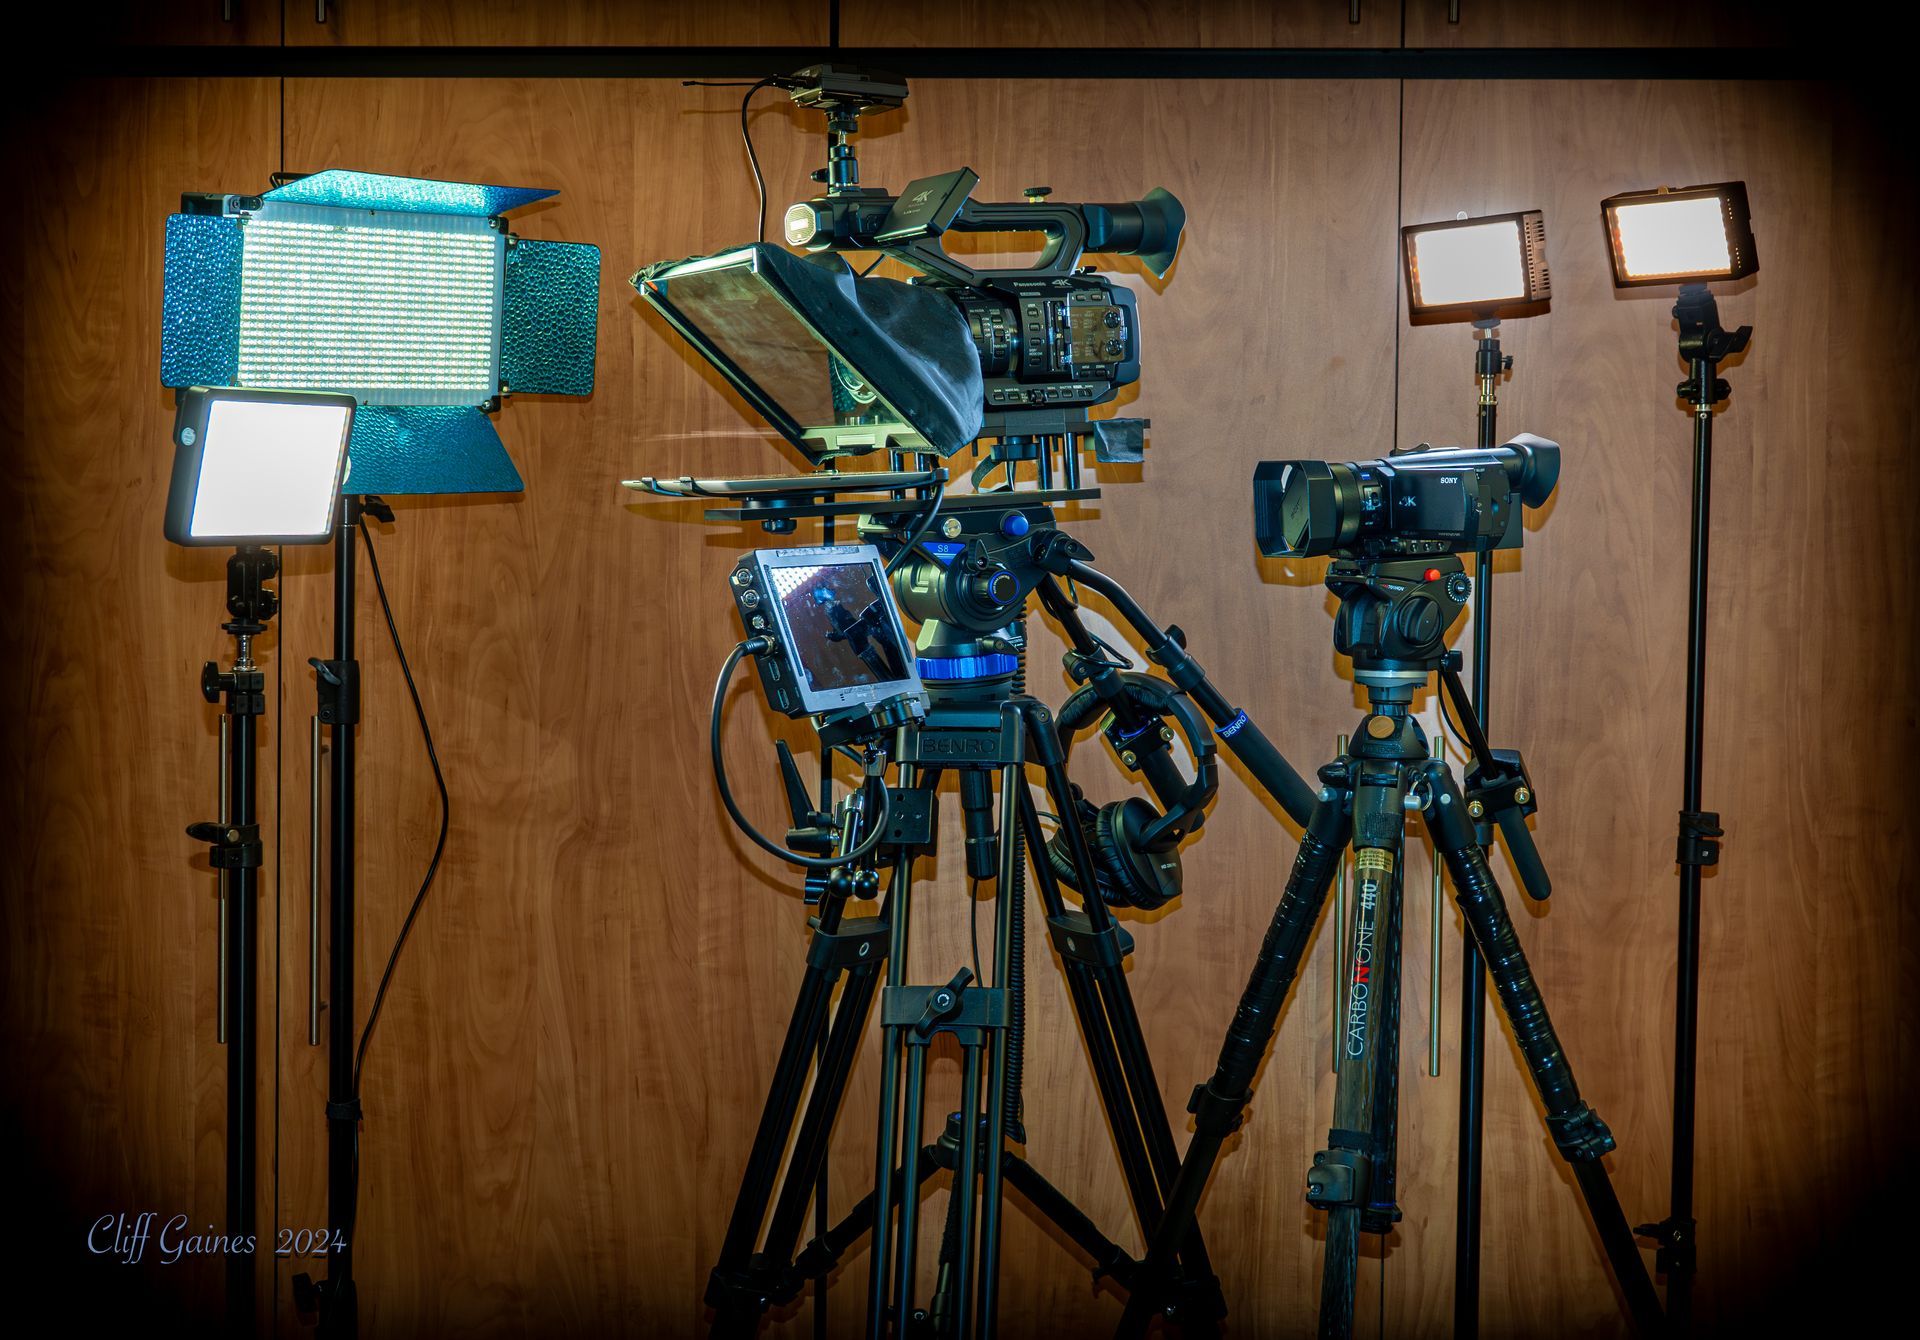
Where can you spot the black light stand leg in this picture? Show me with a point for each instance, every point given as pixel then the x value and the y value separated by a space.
pixel 236 853
pixel 1488 365
pixel 1582 1138
pixel 1703 343
pixel 1219 1104
pixel 339 688
pixel 243 905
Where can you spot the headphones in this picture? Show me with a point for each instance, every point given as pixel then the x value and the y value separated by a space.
pixel 1135 848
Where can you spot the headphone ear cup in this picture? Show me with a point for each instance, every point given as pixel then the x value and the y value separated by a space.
pixel 1135 877
pixel 1060 853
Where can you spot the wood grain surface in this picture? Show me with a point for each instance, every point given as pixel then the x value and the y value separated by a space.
pixel 116 1093
pixel 488 23
pixel 567 1072
pixel 1176 23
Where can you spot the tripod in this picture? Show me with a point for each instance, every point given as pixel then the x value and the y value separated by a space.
pixel 979 728
pixel 235 851
pixel 1393 618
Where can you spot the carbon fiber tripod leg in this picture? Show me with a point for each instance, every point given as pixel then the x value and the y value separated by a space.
pixel 1218 1104
pixel 1582 1138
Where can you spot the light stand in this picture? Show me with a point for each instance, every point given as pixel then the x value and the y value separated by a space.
pixel 235 851
pixel 1488 365
pixel 338 683
pixel 1703 343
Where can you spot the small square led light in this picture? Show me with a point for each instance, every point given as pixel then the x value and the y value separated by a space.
pixel 1690 236
pixel 256 467
pixel 1476 269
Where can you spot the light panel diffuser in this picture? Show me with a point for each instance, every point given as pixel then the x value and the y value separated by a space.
pixel 1693 235
pixel 404 310
pixel 1473 269
pixel 256 467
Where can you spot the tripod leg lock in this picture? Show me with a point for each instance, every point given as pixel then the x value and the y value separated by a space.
pixel 1674 1239
pixel 1581 1136
pixel 346 1110
pixel 1214 1113
pixel 1341 1175
pixel 1700 832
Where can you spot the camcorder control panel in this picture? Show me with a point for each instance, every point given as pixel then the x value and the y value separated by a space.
pixel 1065 340
pixel 833 635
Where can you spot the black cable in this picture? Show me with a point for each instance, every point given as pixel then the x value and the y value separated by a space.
pixel 733 809
pixel 746 135
pixel 446 816
pixel 921 529
pixel 1446 718
pixel 973 927
pixel 753 159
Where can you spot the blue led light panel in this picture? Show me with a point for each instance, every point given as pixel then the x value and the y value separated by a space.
pixel 397 309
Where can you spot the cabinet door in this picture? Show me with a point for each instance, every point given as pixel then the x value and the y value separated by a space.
pixel 195 23
pixel 1619 23
pixel 483 23
pixel 1070 23
pixel 110 911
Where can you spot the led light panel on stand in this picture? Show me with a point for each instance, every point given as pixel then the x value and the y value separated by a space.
pixel 1696 235
pixel 256 467
pixel 1476 269
pixel 408 295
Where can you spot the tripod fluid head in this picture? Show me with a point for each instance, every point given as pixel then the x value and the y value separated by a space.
pixel 1395 614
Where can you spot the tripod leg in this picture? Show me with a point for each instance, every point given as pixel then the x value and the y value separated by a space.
pixel 1582 1138
pixel 890 1046
pixel 910 1176
pixel 1109 1078
pixel 1218 1104
pixel 823 1108
pixel 1009 975
pixel 733 1288
pixel 1344 1178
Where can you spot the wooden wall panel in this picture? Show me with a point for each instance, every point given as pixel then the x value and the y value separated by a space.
pixel 590 1007
pixel 463 23
pixel 116 1089
pixel 567 1072
pixel 1590 665
pixel 1182 23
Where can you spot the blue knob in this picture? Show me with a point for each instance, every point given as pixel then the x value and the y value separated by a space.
pixel 1014 525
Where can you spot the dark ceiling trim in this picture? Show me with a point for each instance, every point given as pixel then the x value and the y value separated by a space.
pixel 936 62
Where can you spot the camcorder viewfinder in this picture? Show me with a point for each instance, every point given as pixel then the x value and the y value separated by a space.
pixel 1422 501
pixel 835 640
